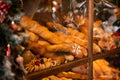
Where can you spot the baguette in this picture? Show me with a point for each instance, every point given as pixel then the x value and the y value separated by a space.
pixel 40 30
pixel 69 31
pixel 69 39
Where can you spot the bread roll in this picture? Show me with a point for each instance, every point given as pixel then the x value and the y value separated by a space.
pixel 32 36
pixel 59 47
pixel 96 48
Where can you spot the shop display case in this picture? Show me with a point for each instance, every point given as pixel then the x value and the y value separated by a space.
pixel 66 6
pixel 59 40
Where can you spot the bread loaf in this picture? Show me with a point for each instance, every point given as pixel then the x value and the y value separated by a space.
pixel 40 30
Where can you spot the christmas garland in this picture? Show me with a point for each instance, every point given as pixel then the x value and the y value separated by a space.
pixel 11 63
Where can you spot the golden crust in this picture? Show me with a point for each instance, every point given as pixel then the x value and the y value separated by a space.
pixel 59 47
pixel 42 31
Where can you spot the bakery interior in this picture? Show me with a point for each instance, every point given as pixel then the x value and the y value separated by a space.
pixel 59 39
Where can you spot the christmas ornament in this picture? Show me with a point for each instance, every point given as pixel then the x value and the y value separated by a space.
pixel 8 50
pixel 9 37
pixel 14 26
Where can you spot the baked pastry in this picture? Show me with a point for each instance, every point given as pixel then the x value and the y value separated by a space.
pixel 71 39
pixel 76 33
pixel 79 51
pixel 97 23
pixel 81 20
pixel 98 33
pixel 28 56
pixel 56 26
pixel 104 70
pixel 73 75
pixel 81 42
pixel 38 64
pixel 32 36
pixel 96 48
pixel 58 58
pixel 84 29
pixel 107 43
pixel 64 30
pixel 101 69
pixel 69 57
pixel 82 69
pixel 75 49
pixel 40 30
pixel 97 69
pixel 59 47
pixel 43 43
pixel 53 77
pixel 36 48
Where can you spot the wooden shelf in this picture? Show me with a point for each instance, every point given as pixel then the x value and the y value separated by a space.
pixel 65 67
pixel 56 69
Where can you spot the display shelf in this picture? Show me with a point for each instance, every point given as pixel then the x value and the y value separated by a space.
pixel 65 67
pixel 56 69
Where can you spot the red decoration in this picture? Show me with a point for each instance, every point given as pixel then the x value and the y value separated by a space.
pixel 14 26
pixel 117 33
pixel 8 50
pixel 3 10
pixel 37 63
pixel 112 47
pixel 74 54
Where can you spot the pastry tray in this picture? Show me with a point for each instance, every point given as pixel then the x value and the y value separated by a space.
pixel 67 66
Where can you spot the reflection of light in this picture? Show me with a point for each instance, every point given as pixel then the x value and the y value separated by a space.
pixel 53 9
pixel 13 22
pixel 54 3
